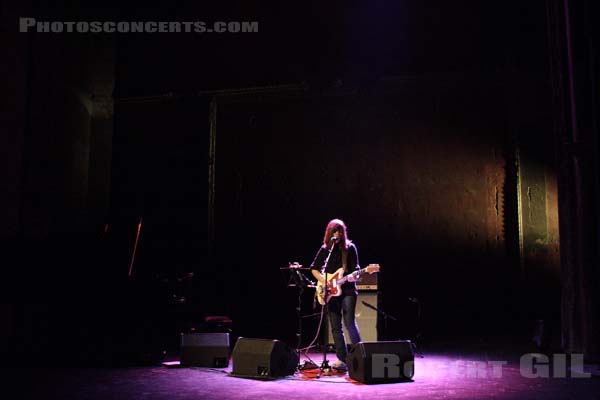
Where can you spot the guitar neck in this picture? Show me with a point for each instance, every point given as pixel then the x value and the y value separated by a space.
pixel 355 273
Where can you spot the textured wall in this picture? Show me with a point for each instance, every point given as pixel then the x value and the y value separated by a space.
pixel 417 172
pixel 424 170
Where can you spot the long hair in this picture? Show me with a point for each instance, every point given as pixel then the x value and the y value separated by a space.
pixel 337 225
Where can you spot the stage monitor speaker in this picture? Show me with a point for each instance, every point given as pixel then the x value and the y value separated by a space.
pixel 204 350
pixel 366 319
pixel 380 362
pixel 263 358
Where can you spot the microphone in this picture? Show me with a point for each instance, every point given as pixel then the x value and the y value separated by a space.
pixel 334 239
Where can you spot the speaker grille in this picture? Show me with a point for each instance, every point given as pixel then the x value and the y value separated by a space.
pixel 205 339
pixel 366 319
pixel 205 350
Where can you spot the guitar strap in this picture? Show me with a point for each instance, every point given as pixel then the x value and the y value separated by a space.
pixel 345 259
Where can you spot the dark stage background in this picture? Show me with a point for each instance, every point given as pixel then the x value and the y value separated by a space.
pixel 440 133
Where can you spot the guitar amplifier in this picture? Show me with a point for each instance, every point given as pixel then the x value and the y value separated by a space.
pixel 367 282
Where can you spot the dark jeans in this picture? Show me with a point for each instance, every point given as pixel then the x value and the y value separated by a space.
pixel 337 307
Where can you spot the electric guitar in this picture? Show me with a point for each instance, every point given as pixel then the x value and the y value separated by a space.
pixel 337 279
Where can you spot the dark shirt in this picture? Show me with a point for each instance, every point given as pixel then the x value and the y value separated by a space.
pixel 335 262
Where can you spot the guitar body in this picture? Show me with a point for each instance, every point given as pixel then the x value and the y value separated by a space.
pixel 334 288
pixel 337 279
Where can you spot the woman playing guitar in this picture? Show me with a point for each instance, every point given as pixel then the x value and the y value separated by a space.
pixel 338 252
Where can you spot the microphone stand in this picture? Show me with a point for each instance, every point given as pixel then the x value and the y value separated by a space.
pixel 325 364
pixel 418 333
pixel 300 285
pixel 301 282
pixel 385 316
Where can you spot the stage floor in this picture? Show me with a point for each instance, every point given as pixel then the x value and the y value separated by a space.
pixel 457 375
